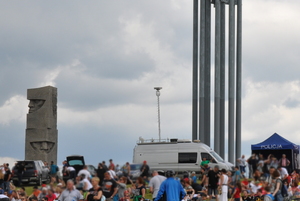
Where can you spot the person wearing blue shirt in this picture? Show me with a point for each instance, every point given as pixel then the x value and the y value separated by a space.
pixel 170 188
pixel 53 169
pixel 194 177
pixel 237 175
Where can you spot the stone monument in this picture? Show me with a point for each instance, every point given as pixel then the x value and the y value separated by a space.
pixel 41 128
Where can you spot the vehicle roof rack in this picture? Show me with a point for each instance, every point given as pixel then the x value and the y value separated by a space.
pixel 162 141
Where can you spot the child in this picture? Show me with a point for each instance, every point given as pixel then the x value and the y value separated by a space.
pixel 237 192
pixel 268 196
pixel 194 177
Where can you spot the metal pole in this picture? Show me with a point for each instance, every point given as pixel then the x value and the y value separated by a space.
pixel 239 80
pixel 195 73
pixel 231 79
pixel 158 110
pixel 222 83
pixel 207 70
pixel 217 75
pixel 202 80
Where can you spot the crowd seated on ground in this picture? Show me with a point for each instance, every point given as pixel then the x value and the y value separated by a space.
pixel 269 179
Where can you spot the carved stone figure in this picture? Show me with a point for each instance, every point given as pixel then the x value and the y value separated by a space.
pixel 41 129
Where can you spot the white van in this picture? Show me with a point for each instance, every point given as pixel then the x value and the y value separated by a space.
pixel 178 155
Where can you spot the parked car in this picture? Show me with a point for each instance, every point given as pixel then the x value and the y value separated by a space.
pixel 35 171
pixel 135 171
pixel 76 161
pixel 92 170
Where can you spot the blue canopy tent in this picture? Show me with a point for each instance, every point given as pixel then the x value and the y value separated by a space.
pixel 277 146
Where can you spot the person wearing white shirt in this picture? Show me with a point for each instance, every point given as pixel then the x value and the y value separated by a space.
pixel 112 174
pixel 85 172
pixel 242 164
pixel 86 184
pixel 155 183
pixel 72 172
pixel 284 174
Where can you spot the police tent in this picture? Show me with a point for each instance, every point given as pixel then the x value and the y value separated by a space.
pixel 277 145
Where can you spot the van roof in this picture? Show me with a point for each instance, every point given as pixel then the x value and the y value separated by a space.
pixel 167 141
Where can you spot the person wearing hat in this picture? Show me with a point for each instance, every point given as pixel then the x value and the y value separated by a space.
pixel 2 196
pixel 43 194
pixel 171 188
pixel 194 177
pixel 145 171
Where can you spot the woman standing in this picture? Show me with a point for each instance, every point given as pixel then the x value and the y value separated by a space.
pixel 223 181
pixel 278 185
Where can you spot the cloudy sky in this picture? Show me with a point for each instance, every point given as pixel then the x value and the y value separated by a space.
pixel 105 57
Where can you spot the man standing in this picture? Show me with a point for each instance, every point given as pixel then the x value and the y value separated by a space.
pixel 155 183
pixel 126 170
pixel 171 188
pixel 109 187
pixel 104 166
pixel 284 162
pixel 237 175
pixel 252 163
pixel 70 193
pixel 242 164
pixel 7 178
pixel 20 171
pixel 53 170
pixel 86 173
pixel 111 165
pixel 213 178
pixel 145 171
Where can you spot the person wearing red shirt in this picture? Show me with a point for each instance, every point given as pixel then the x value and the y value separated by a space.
pixel 51 196
pixel 111 165
pixel 237 192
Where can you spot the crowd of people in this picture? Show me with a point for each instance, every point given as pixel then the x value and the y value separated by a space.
pixel 269 179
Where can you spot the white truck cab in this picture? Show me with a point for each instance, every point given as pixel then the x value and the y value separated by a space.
pixel 178 155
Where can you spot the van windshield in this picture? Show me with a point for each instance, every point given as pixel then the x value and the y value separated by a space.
pixel 216 156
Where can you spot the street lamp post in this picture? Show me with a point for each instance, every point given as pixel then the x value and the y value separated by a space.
pixel 158 109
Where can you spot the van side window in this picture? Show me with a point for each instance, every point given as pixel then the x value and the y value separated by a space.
pixel 187 157
pixel 208 157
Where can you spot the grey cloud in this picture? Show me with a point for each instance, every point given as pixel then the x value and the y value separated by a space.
pixel 291 103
